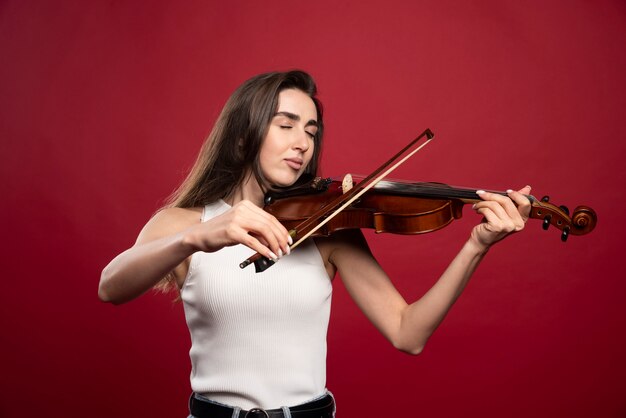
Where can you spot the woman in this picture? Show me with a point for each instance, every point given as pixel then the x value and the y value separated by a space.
pixel 259 340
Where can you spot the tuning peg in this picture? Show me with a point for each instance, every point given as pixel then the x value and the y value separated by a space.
pixel 546 222
pixel 545 199
pixel 564 209
pixel 565 234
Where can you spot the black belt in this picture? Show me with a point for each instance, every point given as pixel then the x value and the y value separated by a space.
pixel 323 407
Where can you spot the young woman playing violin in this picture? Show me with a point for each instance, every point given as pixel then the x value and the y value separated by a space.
pixel 259 340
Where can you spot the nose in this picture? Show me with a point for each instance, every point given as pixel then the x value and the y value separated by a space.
pixel 302 142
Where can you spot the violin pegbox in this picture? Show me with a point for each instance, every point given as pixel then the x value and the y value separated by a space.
pixel 582 221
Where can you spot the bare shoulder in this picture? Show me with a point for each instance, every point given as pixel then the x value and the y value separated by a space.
pixel 169 221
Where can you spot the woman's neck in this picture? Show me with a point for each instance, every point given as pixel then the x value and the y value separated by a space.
pixel 249 190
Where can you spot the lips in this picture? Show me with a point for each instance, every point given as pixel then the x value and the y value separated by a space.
pixel 295 163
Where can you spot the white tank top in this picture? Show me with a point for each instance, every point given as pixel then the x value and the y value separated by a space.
pixel 257 339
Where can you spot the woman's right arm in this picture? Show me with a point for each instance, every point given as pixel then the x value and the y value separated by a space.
pixel 168 240
pixel 162 247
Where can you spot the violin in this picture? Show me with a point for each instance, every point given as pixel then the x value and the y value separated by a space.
pixel 320 207
pixel 407 208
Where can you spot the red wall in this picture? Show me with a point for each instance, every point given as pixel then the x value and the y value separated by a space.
pixel 103 106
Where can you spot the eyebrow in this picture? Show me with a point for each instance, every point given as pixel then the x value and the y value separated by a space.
pixel 296 118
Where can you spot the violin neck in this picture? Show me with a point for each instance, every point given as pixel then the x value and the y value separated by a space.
pixel 433 191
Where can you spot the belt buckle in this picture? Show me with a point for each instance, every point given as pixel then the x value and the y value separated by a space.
pixel 256 412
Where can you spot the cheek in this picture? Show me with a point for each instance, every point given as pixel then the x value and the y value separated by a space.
pixel 268 150
pixel 264 161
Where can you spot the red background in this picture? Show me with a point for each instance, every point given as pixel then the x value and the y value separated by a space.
pixel 104 105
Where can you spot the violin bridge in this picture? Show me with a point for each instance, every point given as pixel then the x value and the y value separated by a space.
pixel 347 183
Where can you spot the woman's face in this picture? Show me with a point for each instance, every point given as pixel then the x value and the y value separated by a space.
pixel 288 147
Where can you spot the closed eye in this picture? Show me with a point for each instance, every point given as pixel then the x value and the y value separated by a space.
pixel 310 134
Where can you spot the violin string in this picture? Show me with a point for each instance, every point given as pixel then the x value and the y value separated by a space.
pixel 437 190
pixel 428 190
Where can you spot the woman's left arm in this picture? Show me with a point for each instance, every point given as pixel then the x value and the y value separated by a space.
pixel 408 326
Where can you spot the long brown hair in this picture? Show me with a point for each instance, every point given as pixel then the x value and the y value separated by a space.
pixel 232 148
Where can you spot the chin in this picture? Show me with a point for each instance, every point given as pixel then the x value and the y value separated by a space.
pixel 285 181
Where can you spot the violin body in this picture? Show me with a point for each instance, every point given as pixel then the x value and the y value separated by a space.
pixel 381 211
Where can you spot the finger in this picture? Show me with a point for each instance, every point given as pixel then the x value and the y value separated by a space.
pixel 243 222
pixel 521 199
pixel 265 232
pixel 512 211
pixel 494 222
pixel 495 206
pixel 282 235
pixel 256 245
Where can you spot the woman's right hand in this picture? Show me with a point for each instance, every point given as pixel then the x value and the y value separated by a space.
pixel 245 223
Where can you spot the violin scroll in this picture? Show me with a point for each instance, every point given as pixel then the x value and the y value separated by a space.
pixel 582 221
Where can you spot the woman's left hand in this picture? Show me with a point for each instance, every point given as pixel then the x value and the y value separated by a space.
pixel 502 216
